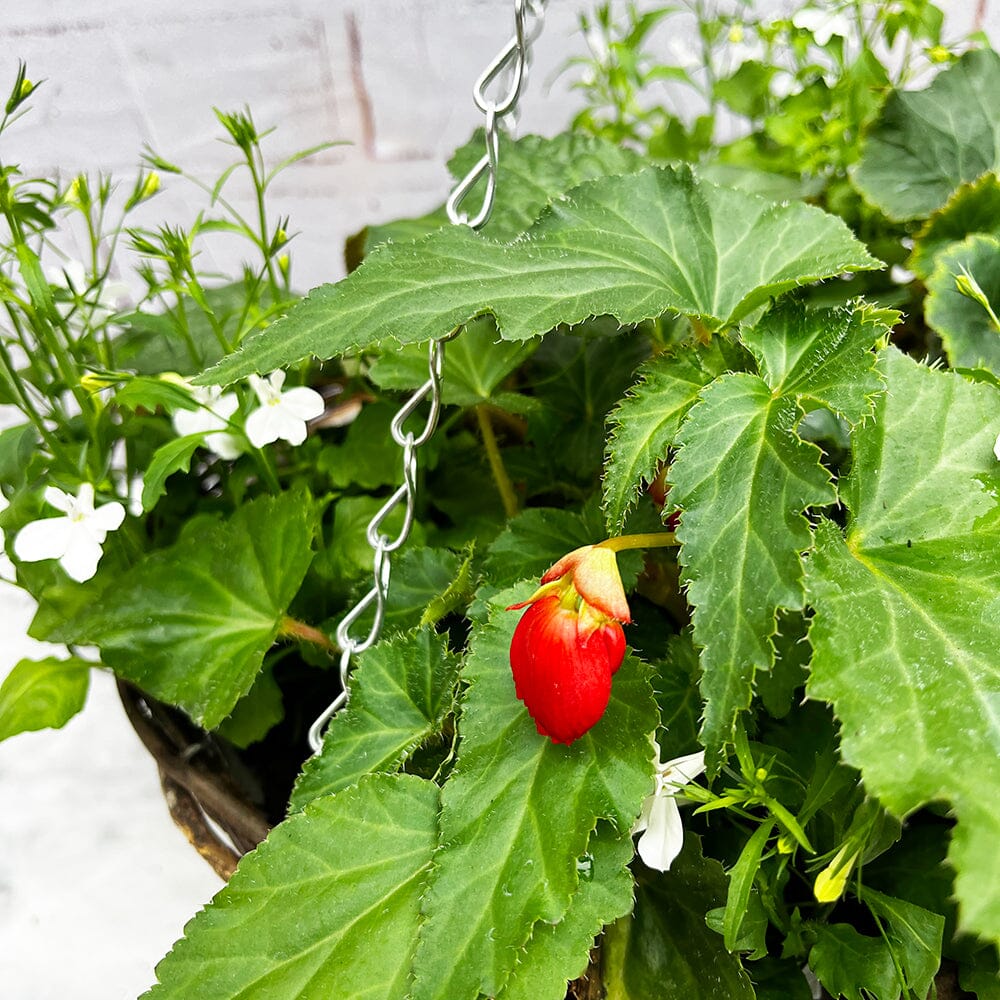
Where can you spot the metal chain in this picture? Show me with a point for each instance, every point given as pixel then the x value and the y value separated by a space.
pixel 512 62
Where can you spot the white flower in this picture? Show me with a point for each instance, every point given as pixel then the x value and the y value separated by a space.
pixel 822 24
pixel 996 448
pixel 74 539
pixel 212 419
pixel 281 414
pixel 900 275
pixel 660 819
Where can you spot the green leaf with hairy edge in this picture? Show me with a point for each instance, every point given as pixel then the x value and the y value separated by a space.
pixel 970 337
pixel 644 424
pixel 400 694
pixel 743 477
pixel 42 694
pixel 174 456
pixel 915 934
pixel 824 355
pixel 421 575
pixel 665 950
pixel 532 171
pixel 559 952
pixel 191 623
pixel 475 364
pixel 632 247
pixel 852 965
pixel 973 208
pixel 908 615
pixel 517 813
pixel 327 906
pixel 926 143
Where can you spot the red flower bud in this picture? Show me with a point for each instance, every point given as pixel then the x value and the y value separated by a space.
pixel 569 643
pixel 562 670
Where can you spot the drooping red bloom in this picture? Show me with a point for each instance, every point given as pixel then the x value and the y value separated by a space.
pixel 570 642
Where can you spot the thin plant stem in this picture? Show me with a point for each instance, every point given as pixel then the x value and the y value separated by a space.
pixel 292 628
pixel 649 540
pixel 503 484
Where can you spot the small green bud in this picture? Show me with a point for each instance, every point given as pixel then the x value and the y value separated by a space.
pixel 832 880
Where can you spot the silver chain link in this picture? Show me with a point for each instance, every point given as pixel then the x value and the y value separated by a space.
pixel 510 62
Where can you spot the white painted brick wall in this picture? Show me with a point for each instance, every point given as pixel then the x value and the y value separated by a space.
pixel 393 79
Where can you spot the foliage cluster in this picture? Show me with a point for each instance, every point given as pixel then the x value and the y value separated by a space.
pixel 657 329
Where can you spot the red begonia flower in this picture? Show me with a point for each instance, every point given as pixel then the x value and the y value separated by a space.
pixel 570 642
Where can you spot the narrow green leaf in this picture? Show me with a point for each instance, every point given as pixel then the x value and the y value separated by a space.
pixel 42 694
pixel 517 813
pixel 742 478
pixel 665 949
pixel 400 694
pixel 908 615
pixel 559 952
pixel 915 935
pixel 853 966
pixel 644 424
pixel 970 335
pixel 190 624
pixel 926 143
pixel 328 906
pixel 174 456
pixel 632 247
pixel 741 882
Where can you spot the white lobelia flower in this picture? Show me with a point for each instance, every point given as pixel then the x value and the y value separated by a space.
pixel 282 414
pixel 215 409
pixel 996 448
pixel 822 24
pixel 74 539
pixel 660 819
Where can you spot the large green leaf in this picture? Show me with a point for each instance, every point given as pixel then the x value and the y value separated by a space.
pixel 665 951
pixel 644 424
pixel 190 624
pixel 853 966
pixel 474 365
pixel 973 208
pixel 400 694
pixel 907 620
pixel 328 906
pixel 532 171
pixel 42 694
pixel 743 477
pixel 517 814
pixel 914 935
pixel 632 247
pixel 559 952
pixel 926 143
pixel 968 332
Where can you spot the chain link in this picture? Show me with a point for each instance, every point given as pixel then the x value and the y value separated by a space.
pixel 510 62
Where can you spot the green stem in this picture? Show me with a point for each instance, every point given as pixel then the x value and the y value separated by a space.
pixel 292 628
pixel 503 484
pixel 650 540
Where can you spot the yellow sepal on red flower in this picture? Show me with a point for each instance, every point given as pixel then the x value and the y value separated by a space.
pixel 570 642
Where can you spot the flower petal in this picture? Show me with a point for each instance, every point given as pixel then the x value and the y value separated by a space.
pixel 81 556
pixel 302 402
pixel 263 426
pixel 55 497
pixel 45 539
pixel 683 770
pixel 107 517
pixel 291 428
pixel 226 446
pixel 664 835
pixel 260 388
pixel 84 503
